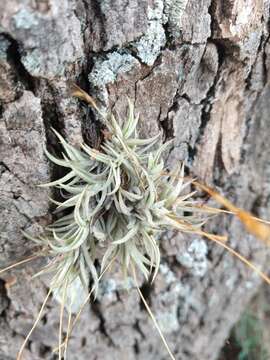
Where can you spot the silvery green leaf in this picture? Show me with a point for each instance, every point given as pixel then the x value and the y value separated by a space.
pixel 99 231
pixel 140 260
pixel 62 272
pixel 65 237
pixel 74 190
pixel 157 170
pixel 129 167
pixel 132 126
pixel 111 151
pixel 157 256
pixel 65 220
pixel 59 239
pixel 83 174
pixel 92 213
pixel 130 195
pixel 84 274
pixel 117 180
pixel 39 240
pixel 150 193
pixel 90 264
pixel 123 208
pixel 73 243
pixel 130 234
pixel 130 119
pixel 54 159
pixel 161 149
pixel 96 155
pixel 143 142
pixel 111 223
pixel 78 217
pixel 65 178
pixel 116 127
pixel 144 151
pixel 108 255
pixel 71 202
pixel 72 152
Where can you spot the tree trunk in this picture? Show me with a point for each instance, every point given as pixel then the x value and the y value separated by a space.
pixel 198 70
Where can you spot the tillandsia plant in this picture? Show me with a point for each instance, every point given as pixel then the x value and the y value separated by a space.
pixel 120 199
pixel 116 203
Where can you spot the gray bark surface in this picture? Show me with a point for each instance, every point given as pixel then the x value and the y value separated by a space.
pixel 198 70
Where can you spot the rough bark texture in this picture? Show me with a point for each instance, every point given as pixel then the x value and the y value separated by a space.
pixel 196 69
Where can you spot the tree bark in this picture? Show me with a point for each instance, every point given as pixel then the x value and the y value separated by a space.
pixel 198 70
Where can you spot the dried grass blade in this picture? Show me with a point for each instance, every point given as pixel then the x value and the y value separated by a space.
pixel 152 315
pixel 77 92
pixel 255 227
pixel 30 258
pixel 244 260
pixel 61 321
pixel 19 356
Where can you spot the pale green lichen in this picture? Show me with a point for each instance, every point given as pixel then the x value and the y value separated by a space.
pixel 4 45
pixel 106 70
pixel 150 43
pixel 174 11
pixel 31 61
pixel 25 19
pixel 195 258
pixel 168 320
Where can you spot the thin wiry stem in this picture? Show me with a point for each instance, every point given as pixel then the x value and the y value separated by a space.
pixel 61 321
pixel 19 356
pixel 68 331
pixel 152 315
pixel 21 262
pixel 244 260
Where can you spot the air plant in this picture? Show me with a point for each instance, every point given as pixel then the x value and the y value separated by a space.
pixel 116 203
pixel 120 199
